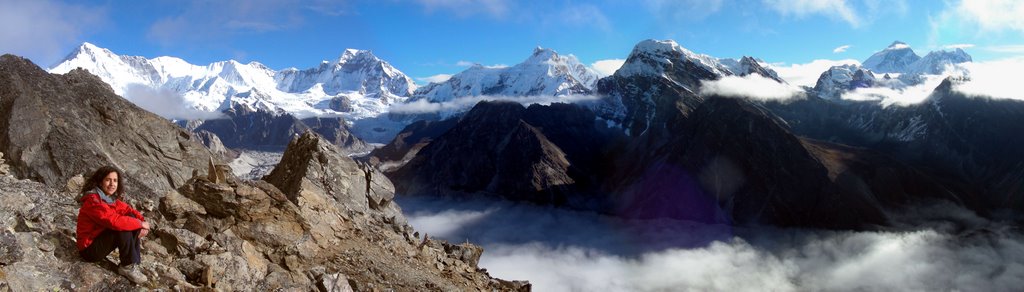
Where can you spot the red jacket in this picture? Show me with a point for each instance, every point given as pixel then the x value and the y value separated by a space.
pixel 95 216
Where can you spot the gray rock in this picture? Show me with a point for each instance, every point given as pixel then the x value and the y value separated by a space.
pixel 74 123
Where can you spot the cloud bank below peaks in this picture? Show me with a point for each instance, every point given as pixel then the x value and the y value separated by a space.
pixel 752 86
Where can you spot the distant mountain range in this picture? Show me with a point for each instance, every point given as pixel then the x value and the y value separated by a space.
pixel 357 84
pixel 653 147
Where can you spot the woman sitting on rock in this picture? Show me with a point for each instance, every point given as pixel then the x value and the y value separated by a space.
pixel 106 223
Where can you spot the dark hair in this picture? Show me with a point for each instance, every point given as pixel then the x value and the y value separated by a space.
pixel 97 179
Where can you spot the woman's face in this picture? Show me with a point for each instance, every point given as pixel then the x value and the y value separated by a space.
pixel 109 184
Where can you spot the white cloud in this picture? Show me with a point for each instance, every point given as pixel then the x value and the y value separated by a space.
pixel 607 67
pixel 752 86
pixel 802 8
pixel 1011 49
pixel 958 46
pixel 807 74
pixel 436 78
pixel 44 31
pixel 986 79
pixel 995 79
pixel 840 49
pixel 461 63
pixel 564 250
pixel 993 15
pixel 901 97
pixel 465 103
pixel 165 103
pixel 464 8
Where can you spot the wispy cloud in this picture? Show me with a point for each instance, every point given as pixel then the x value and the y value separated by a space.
pixel 464 8
pixel 840 49
pixel 676 11
pixel 165 103
pixel 461 63
pixel 896 96
pixel 1011 49
pixel 994 79
pixel 807 74
pixel 802 8
pixel 436 78
pixel 607 67
pixel 752 86
pixel 995 15
pixel 203 21
pixel 958 46
pixel 45 30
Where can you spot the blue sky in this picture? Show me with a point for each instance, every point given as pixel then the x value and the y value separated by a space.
pixel 428 37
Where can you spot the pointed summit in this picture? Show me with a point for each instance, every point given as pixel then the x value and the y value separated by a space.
pixel 353 54
pixel 896 58
pixel 545 72
pixel 653 57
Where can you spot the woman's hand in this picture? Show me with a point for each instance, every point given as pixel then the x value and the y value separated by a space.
pixel 145 229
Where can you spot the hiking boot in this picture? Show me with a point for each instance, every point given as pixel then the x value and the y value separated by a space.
pixel 133 273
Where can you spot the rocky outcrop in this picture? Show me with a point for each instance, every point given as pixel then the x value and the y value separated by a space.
pixel 322 222
pixel 53 127
pixel 321 233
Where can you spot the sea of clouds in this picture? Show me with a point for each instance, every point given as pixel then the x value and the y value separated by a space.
pixel 934 247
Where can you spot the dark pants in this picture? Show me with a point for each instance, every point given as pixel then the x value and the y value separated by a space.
pixel 126 243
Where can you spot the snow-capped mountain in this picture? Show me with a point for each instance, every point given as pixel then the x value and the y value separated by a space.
pixel 364 84
pixel 936 62
pixel 832 84
pixel 840 79
pixel 661 72
pixel 545 72
pixel 900 58
pixel 896 58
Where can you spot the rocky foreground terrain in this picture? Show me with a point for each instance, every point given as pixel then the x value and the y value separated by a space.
pixel 319 221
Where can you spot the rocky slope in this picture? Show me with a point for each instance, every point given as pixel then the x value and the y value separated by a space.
pixel 963 140
pixel 320 221
pixel 54 127
pixel 310 226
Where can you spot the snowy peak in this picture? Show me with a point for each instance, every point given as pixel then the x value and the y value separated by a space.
pixel 545 72
pixel 897 45
pixel 359 76
pixel 896 58
pixel 656 57
pixel 841 79
pixel 748 65
pixel 936 62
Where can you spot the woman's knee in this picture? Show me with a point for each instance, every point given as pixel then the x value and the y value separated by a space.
pixel 126 235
